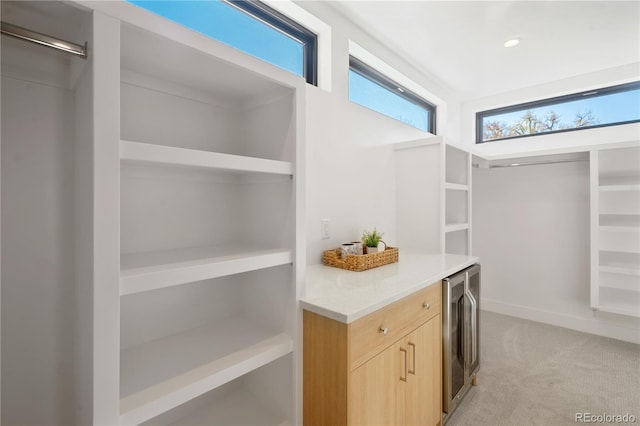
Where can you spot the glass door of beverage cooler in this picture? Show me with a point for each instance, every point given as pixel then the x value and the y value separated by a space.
pixel 453 340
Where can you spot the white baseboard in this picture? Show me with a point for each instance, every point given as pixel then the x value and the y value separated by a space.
pixel 598 324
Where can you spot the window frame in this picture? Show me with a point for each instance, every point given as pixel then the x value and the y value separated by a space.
pixel 287 26
pixel 370 73
pixel 594 93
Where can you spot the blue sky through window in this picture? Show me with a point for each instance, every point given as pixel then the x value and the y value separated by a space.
pixel 371 95
pixel 231 26
pixel 606 109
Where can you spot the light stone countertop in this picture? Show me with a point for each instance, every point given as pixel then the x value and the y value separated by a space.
pixel 346 296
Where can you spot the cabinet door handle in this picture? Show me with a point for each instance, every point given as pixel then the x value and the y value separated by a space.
pixel 413 346
pixel 383 330
pixel 426 306
pixel 406 363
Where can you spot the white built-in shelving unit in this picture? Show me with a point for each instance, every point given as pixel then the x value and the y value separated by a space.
pixel 207 241
pixel 433 196
pixel 456 236
pixel 188 228
pixel 162 185
pixel 615 230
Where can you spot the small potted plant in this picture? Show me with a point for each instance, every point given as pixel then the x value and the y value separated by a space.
pixel 371 240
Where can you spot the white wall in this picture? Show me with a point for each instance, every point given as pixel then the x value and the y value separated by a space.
pixel 531 232
pixel 350 166
pixel 350 171
pixel 37 253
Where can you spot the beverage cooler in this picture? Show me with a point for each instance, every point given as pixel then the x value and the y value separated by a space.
pixel 460 335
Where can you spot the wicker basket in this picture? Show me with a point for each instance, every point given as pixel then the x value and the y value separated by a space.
pixel 357 263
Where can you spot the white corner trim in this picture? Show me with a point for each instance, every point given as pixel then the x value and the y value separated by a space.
pixel 312 23
pixel 586 325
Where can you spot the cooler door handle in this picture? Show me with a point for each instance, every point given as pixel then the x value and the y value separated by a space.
pixel 474 327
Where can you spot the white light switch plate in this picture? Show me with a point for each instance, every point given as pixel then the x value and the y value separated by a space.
pixel 324 229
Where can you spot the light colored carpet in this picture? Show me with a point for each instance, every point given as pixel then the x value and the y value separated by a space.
pixel 537 374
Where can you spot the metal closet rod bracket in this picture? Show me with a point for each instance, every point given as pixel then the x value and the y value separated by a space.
pixel 44 40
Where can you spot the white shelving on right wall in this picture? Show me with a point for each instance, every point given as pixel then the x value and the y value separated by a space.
pixel 457 200
pixel 615 231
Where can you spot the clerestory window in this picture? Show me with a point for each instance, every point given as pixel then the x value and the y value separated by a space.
pixel 608 106
pixel 372 89
pixel 247 25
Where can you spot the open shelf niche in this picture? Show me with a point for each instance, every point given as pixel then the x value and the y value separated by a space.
pixel 236 403
pixel 457 200
pixel 615 230
pixel 207 237
pixel 180 342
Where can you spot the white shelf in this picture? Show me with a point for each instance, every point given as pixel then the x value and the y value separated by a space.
pixel 619 263
pixel 628 310
pixel 622 187
pixel 452 227
pixel 237 408
pixel 612 180
pixel 624 221
pixel 153 270
pixel 182 157
pixel 456 186
pixel 612 279
pixel 617 228
pixel 162 374
pixel 620 270
pixel 617 241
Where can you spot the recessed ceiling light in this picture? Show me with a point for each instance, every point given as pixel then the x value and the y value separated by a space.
pixel 512 42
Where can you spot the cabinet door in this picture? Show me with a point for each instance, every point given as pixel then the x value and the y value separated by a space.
pixel 403 384
pixel 375 389
pixel 422 396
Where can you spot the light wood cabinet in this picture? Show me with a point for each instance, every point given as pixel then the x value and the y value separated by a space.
pixel 393 377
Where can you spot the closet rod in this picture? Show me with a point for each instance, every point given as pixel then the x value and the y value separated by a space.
pixel 45 40
pixel 536 163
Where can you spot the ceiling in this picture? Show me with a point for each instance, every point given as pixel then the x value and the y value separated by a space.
pixel 460 43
